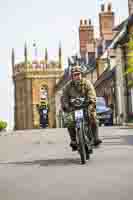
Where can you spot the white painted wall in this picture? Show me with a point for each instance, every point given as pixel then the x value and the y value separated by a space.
pixel 120 86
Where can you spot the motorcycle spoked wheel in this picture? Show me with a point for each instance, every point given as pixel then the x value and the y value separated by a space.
pixel 81 145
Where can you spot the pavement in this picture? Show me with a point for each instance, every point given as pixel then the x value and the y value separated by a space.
pixel 40 165
pixel 129 125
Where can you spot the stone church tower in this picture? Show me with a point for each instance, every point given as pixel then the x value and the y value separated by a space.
pixel 30 81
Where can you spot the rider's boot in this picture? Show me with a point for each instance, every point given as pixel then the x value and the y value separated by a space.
pixel 73 142
pixel 97 141
pixel 88 152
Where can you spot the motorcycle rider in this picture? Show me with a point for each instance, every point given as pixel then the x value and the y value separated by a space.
pixel 79 86
pixel 43 112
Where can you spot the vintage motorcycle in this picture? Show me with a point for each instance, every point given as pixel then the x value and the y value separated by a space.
pixel 84 135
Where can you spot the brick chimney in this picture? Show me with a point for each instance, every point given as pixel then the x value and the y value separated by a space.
pixel 86 36
pixel 106 20
pixel 130 7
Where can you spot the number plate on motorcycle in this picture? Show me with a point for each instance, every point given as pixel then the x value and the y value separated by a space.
pixel 79 114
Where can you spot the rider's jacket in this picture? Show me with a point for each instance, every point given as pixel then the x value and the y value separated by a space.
pixel 84 89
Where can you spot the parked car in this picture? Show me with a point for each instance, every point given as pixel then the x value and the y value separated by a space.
pixel 104 113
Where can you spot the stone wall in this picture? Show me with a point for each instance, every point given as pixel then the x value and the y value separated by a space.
pixel 27 86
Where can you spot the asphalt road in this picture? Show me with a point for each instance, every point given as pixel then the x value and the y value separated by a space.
pixel 39 165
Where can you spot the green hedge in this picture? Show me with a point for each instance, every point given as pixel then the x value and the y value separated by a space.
pixel 3 125
pixel 130 117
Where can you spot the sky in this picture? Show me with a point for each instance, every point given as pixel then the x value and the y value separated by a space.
pixel 47 23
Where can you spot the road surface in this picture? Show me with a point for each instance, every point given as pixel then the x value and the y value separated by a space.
pixel 39 165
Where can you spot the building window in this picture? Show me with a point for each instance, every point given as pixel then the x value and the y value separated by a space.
pixel 107 43
pixel 44 93
pixel 100 50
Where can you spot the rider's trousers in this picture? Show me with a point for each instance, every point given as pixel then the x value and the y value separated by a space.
pixel 72 133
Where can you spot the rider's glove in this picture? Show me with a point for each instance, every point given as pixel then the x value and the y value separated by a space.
pixel 70 109
pixel 67 109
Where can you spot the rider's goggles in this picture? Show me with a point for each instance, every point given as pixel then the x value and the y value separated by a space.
pixel 76 74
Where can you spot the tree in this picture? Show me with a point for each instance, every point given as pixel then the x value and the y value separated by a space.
pixel 130 59
pixel 3 125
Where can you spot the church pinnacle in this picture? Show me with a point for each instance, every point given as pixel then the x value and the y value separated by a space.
pixel 46 57
pixel 60 55
pixel 13 59
pixel 25 53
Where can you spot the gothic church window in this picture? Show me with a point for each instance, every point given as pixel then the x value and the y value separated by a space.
pixel 44 92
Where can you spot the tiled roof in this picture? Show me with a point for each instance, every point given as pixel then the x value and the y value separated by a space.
pixel 106 75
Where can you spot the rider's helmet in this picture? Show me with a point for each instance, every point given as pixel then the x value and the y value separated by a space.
pixel 76 74
pixel 76 69
pixel 44 104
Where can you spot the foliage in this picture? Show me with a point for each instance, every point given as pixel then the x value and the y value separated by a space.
pixel 3 125
pixel 130 59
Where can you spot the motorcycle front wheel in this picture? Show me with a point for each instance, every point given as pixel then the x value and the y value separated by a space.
pixel 82 149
